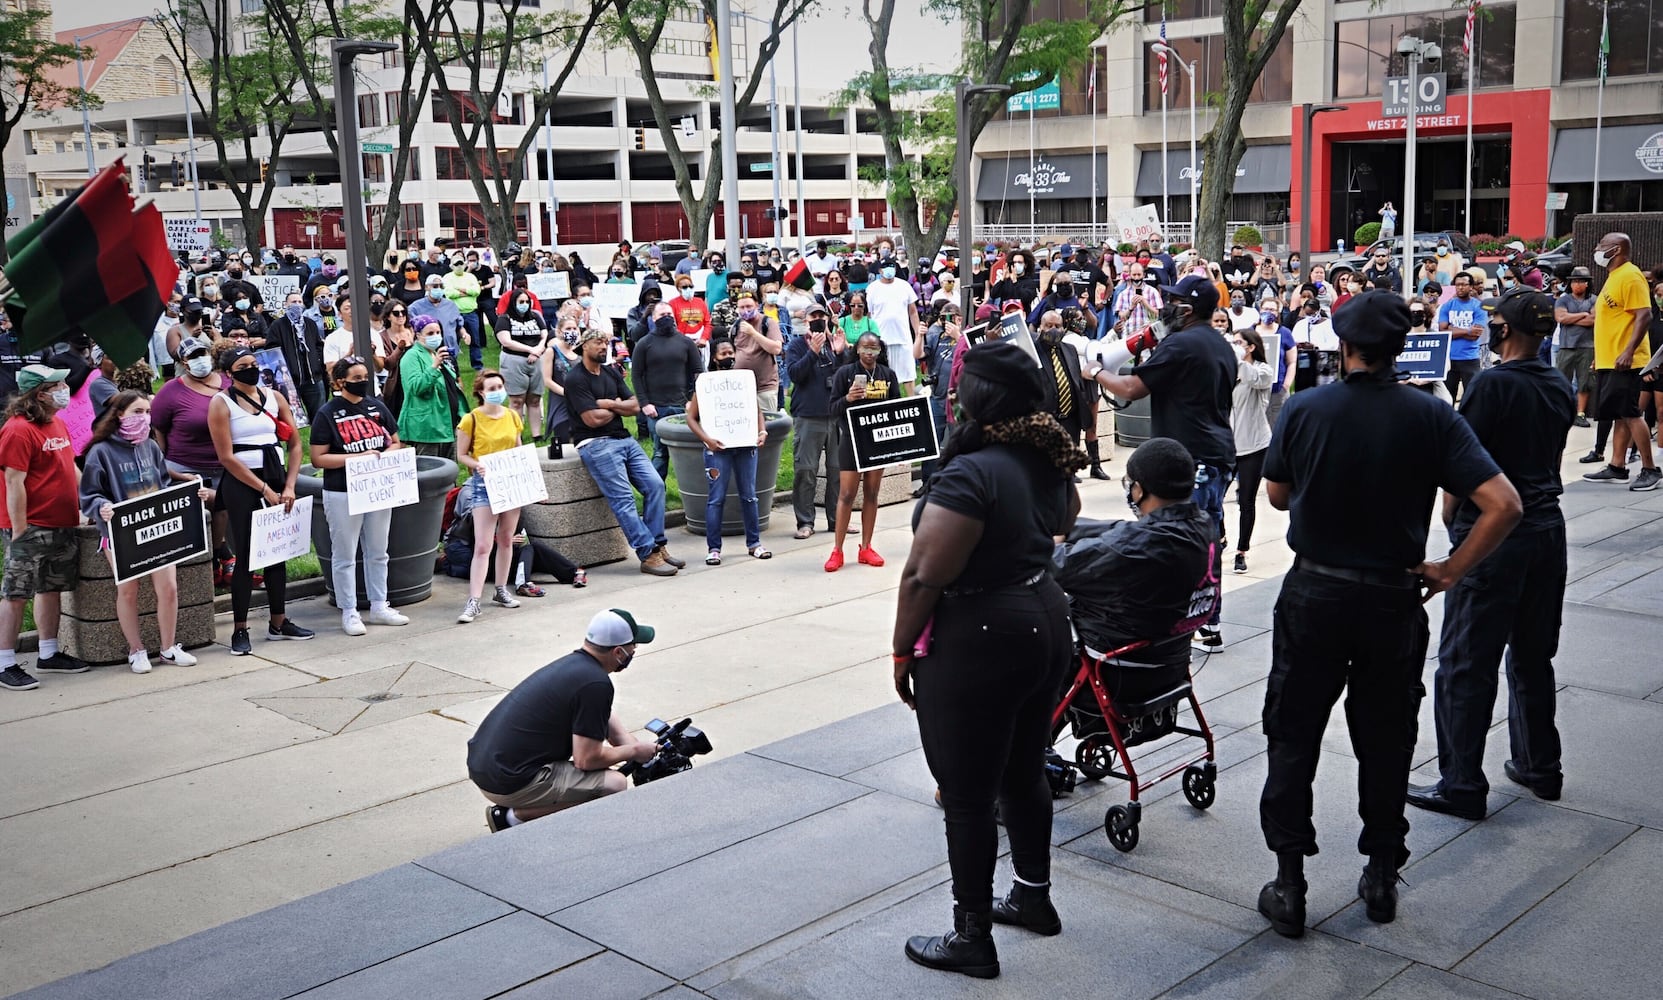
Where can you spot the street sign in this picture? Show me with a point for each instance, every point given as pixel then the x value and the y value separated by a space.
pixel 378 147
pixel 1429 101
pixel 765 167
pixel 1557 200
pixel 1047 98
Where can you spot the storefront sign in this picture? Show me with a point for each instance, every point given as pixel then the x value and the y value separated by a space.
pixel 892 432
pixel 727 407
pixel 277 537
pixel 157 530
pixel 1047 97
pixel 379 480
pixel 1650 153
pixel 1066 175
pixel 1429 97
pixel 514 478
pixel 1424 121
pixel 1265 169
pixel 1425 356
pixel 1045 178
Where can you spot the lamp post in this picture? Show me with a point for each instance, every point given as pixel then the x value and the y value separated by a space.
pixel 548 164
pixel 1415 52
pixel 1195 166
pixel 342 52
pixel 730 154
pixel 1308 111
pixel 962 93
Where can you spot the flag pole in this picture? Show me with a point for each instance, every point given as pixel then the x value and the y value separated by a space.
pixel 1091 88
pixel 1599 108
pixel 1472 64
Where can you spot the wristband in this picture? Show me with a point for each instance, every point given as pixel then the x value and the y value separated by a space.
pixel 900 658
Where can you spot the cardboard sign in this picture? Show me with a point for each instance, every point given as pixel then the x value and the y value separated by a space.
pixel 1014 328
pixel 892 432
pixel 1138 224
pixel 183 233
pixel 1425 355
pixel 727 406
pixel 618 300
pixel 514 478
pixel 380 480
pixel 278 537
pixel 157 530
pixel 274 375
pixel 550 285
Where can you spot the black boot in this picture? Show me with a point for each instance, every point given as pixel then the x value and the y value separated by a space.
pixel 967 948
pixel 1095 455
pixel 1378 889
pixel 1028 906
pixel 1282 901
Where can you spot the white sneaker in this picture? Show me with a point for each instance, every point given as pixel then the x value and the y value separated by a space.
pixel 176 655
pixel 351 624
pixel 385 616
pixel 139 662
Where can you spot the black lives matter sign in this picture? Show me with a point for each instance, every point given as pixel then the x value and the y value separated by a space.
pixel 892 432
pixel 157 530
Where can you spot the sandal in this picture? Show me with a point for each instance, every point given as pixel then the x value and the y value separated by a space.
pixel 804 532
pixel 529 589
pixel 761 552
pixel 714 559
pixel 580 578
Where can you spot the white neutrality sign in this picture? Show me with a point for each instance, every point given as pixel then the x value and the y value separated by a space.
pixel 727 406
pixel 277 537
pixel 275 287
pixel 184 233
pixel 380 480
pixel 514 478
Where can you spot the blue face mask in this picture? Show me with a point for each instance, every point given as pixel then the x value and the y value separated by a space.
pixel 434 342
pixel 496 397
pixel 586 301
pixel 294 311
pixel 435 294
pixel 888 271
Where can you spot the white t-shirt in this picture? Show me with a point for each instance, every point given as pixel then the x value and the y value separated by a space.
pixel 888 303
pixel 1248 319
pixel 1320 333
pixel 339 344
pixel 818 267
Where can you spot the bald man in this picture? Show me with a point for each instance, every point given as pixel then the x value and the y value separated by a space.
pixel 1622 315
pixel 1065 391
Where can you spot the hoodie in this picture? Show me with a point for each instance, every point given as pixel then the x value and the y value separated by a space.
pixel 665 365
pixel 116 470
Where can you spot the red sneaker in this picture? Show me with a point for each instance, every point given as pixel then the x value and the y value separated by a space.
pixel 870 557
pixel 835 561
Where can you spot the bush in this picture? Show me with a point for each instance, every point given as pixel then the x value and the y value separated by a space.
pixel 1126 248
pixel 1249 236
pixel 1366 234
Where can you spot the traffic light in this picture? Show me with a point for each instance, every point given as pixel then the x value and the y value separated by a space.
pixel 776 214
pixel 178 172
pixel 264 166
pixel 146 164
pixel 640 138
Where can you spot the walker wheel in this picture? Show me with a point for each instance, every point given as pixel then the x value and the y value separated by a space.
pixel 1121 828
pixel 1198 786
pixel 1094 756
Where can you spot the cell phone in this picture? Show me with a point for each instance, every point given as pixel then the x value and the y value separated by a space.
pixel 859 382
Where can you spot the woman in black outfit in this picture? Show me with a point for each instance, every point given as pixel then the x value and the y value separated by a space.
pixel 863 380
pixel 978 585
pixel 1021 281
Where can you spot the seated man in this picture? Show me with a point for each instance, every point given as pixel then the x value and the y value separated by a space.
pixel 1148 579
pixel 553 740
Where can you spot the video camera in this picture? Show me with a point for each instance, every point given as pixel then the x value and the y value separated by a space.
pixel 677 746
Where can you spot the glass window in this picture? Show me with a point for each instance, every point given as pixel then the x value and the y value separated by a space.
pixel 452 164
pixel 1275 83
pixel 369 111
pixel 1636 37
pixel 1365 52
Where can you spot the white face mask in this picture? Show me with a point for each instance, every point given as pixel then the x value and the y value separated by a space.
pixel 1602 258
pixel 199 367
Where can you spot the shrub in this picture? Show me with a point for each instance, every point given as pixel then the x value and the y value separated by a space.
pixel 1126 248
pixel 1366 234
pixel 1249 236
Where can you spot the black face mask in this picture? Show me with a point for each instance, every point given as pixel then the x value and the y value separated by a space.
pixel 723 364
pixel 247 376
pixel 1174 315
pixel 359 389
pixel 1065 291
pixel 665 325
pixel 234 275
pixel 1050 337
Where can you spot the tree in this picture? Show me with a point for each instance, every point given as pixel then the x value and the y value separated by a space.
pixel 1251 33
pixel 497 41
pixel 28 56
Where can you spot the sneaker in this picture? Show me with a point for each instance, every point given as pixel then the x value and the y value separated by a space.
pixel 1581 420
pixel 580 579
pixel 664 550
pixel 1207 640
pixel 289 630
pixel 176 655
pixel 869 556
pixel 15 678
pixel 656 565
pixel 1647 480
pixel 1633 456
pixel 351 624
pixel 60 663
pixel 385 616
pixel 1591 458
pixel 834 562
pixel 504 597
pixel 470 611
pixel 529 589
pixel 240 645
pixel 496 819
pixel 1240 564
pixel 1609 474
pixel 714 558
pixel 139 662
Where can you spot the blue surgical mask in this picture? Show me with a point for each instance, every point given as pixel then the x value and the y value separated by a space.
pixel 434 342
pixel 435 294
pixel 243 304
pixel 496 397
pixel 772 298
pixel 586 301
pixel 888 270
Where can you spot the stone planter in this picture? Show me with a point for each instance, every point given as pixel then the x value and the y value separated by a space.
pixel 575 519
pixel 687 456
pixel 411 543
pixel 88 628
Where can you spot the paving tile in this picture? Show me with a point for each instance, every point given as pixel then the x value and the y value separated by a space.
pixel 1418 982
pixel 1637 539
pixel 607 976
pixel 1641 596
pixel 1459 896
pixel 374 697
pixel 293 947
pixel 478 963
pixel 1614 573
pixel 1604 522
pixel 805 866
pixel 1594 938
pixel 1580 562
pixel 845 747
pixel 1315 967
pixel 906 776
pixel 650 829
pixel 1251 605
pixel 1609 651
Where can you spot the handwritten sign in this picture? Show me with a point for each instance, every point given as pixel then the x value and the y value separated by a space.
pixel 617 300
pixel 547 285
pixel 184 233
pixel 277 537
pixel 159 529
pixel 727 406
pixel 274 287
pixel 1138 224
pixel 891 432
pixel 514 478
pixel 380 480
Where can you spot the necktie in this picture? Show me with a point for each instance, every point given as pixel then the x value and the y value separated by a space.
pixel 1065 391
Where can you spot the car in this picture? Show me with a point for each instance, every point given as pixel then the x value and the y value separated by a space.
pixel 1426 245
pixel 1558 261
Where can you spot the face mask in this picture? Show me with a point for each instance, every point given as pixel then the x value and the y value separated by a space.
pixel 356 388
pixel 234 274
pixel 1267 317
pixel 247 376
pixel 1065 291
pixel 586 301
pixel 977 260
pixel 817 325
pixel 772 298
pixel 685 293
pixel 435 294
pixel 1602 258
pixel 1172 314
pixel 210 291
pixel 330 270
pixel 326 305
pixel 1050 336
pixel 496 397
pixel 1417 317
pixel 458 267
pixel 1293 265
pixel 243 304
pixel 288 258
pixel 570 337
pixel 747 314
pixel 625 660
pixel 522 308
pixel 1443 251
pixel 434 342
pixel 665 325
pixel 1132 503
pixel 294 311
pixel 199 367
pixel 723 364
pixel 1018 267
pixel 60 397
pixel 888 271
pixel 1498 333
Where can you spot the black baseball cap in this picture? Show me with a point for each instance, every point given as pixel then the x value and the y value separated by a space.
pixel 1525 310
pixel 1374 318
pixel 1199 292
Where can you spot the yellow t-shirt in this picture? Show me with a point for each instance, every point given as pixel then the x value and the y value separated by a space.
pixel 491 434
pixel 1625 291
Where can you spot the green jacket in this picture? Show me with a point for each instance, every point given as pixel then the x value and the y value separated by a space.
pixel 424 415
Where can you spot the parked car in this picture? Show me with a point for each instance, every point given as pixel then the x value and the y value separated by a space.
pixel 1426 245
pixel 1557 261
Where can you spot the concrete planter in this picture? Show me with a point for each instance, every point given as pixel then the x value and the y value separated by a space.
pixel 1131 425
pixel 687 456
pixel 575 519
pixel 410 544
pixel 88 627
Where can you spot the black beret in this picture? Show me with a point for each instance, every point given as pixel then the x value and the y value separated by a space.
pixel 1375 318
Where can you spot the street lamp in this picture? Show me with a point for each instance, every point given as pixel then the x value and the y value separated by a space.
pixel 1415 51
pixel 81 81
pixel 1195 166
pixel 342 52
pixel 962 93
pixel 1309 111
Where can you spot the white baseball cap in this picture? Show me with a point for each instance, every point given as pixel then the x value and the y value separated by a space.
pixel 617 627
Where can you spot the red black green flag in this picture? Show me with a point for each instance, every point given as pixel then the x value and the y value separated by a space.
pixel 92 264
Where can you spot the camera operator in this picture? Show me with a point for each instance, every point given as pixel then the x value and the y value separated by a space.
pixel 553 741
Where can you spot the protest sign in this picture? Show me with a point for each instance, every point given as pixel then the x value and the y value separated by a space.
pixel 379 480
pixel 275 287
pixel 1139 223
pixel 550 286
pixel 727 406
pixel 514 478
pixel 158 529
pixel 1014 328
pixel 617 300
pixel 274 374
pixel 1425 355
pixel 185 233
pixel 277 537
pixel 892 432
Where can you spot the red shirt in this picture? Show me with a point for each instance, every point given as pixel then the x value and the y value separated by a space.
pixel 47 459
pixel 692 317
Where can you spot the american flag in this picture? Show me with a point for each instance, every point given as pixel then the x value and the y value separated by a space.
pixel 1466 39
pixel 1091 83
pixel 1161 55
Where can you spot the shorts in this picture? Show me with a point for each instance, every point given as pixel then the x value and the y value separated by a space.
pixel 559 783
pixel 1618 391
pixel 520 375
pixel 901 361
pixel 1575 364
pixel 40 561
pixel 472 494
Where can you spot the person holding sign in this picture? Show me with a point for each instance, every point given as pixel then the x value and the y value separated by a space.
pixel 864 380
pixel 254 435
pixel 124 460
pixel 355 423
pixel 722 461
pixel 489 428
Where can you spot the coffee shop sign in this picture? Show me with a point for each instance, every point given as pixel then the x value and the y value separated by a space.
pixel 1044 179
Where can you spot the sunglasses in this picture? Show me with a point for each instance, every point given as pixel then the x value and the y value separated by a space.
pixel 397 312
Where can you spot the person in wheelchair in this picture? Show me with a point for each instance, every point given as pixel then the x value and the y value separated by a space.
pixel 1146 581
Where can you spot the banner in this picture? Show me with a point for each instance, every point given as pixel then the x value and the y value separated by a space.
pixel 892 432
pixel 514 478
pixel 727 406
pixel 157 530
pixel 183 233
pixel 274 288
pixel 274 375
pixel 550 286
pixel 278 537
pixel 1425 355
pixel 380 480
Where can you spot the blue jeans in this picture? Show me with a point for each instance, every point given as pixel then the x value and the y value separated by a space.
pixel 1211 483
pixel 661 454
pixel 617 464
pixel 738 464
pixel 476 347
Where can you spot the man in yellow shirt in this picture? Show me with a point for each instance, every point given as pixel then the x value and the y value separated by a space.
pixel 1622 314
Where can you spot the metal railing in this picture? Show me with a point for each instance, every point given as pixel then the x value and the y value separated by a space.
pixel 1276 237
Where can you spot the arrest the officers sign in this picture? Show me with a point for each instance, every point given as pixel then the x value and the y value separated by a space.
pixel 892 432
pixel 156 530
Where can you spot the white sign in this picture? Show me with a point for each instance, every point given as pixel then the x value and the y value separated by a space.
pixel 278 537
pixel 1650 153
pixel 617 300
pixel 727 407
pixel 380 480
pixel 184 233
pixel 1043 179
pixel 275 287
pixel 550 286
pixel 689 127
pixel 514 478
pixel 1140 223
pixel 1557 200
pixel 1429 97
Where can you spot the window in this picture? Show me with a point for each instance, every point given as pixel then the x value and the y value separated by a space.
pixel 452 165
pixel 1365 52
pixel 470 112
pixel 167 77
pixel 1182 10
pixel 467 222
pixel 375 168
pixel 1275 84
pixel 369 111
pixel 1636 39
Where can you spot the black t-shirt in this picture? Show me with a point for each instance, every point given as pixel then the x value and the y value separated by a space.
pixel 533 726
pixel 1190 377
pixel 1520 411
pixel 583 389
pixel 352 429
pixel 1365 459
pixel 1021 498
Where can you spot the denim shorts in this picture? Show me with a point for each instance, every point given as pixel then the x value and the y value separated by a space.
pixel 472 495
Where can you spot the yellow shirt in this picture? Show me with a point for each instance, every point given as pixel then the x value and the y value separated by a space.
pixel 1624 292
pixel 491 434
